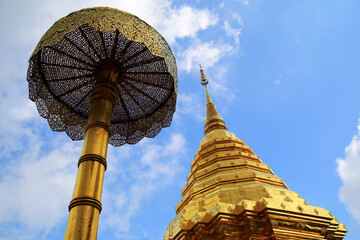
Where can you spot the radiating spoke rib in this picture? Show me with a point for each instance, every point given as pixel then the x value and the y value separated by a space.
pixel 73 89
pixel 82 99
pixel 134 55
pixel 116 40
pixel 124 106
pixel 156 73
pixel 65 66
pixel 79 49
pixel 124 50
pixel 147 83
pixel 103 42
pixel 128 92
pixel 89 43
pixel 151 60
pixel 69 56
pixel 71 78
pixel 141 91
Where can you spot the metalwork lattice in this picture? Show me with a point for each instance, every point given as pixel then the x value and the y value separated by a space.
pixel 64 65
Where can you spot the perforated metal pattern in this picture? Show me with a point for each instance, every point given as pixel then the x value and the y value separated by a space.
pixel 61 77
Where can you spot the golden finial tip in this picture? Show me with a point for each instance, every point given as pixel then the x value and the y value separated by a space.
pixel 203 79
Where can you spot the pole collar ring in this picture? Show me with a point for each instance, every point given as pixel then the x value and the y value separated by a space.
pixel 99 124
pixel 92 157
pixel 90 201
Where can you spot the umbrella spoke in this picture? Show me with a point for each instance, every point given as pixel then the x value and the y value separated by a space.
pixel 149 73
pixel 124 106
pixel 70 56
pixel 128 92
pixel 73 89
pixel 113 50
pixel 65 66
pixel 151 60
pixel 135 54
pixel 82 99
pixel 89 43
pixel 103 42
pixel 141 91
pixel 148 83
pixel 79 49
pixel 124 50
pixel 71 78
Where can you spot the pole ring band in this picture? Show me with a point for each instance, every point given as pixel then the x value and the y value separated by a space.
pixel 90 201
pixel 99 124
pixel 92 157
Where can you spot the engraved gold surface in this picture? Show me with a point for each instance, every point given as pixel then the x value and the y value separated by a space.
pixel 110 19
pixel 69 58
pixel 231 194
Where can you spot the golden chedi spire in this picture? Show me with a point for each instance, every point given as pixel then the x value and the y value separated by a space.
pixel 213 119
pixel 231 194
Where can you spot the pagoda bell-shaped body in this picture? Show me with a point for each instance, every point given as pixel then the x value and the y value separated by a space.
pixel 231 194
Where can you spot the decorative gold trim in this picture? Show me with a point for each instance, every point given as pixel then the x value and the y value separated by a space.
pixel 99 124
pixel 92 157
pixel 85 201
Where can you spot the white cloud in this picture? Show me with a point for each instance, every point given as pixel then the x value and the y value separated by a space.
pixel 204 53
pixel 277 81
pixel 24 112
pixel 348 170
pixel 38 187
pixel 185 22
pixel 246 2
pixel 219 89
pixel 232 32
pixel 238 18
pixel 171 21
pixel 190 105
pixel 154 166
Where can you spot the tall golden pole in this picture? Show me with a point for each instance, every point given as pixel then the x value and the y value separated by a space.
pixel 85 206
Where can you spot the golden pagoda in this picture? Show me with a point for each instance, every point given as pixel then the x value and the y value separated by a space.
pixel 231 194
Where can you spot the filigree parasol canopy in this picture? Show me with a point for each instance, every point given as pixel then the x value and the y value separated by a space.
pixel 64 66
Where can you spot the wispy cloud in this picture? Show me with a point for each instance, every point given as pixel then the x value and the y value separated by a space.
pixel 206 53
pixel 186 22
pixel 238 18
pixel 278 80
pixel 348 170
pixel 153 166
pixel 190 105
pixel 219 88
pixel 233 32
pixel 38 184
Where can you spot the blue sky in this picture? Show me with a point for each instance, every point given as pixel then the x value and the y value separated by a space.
pixel 283 74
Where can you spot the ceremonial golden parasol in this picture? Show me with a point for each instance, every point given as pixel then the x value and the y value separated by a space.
pixel 105 76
